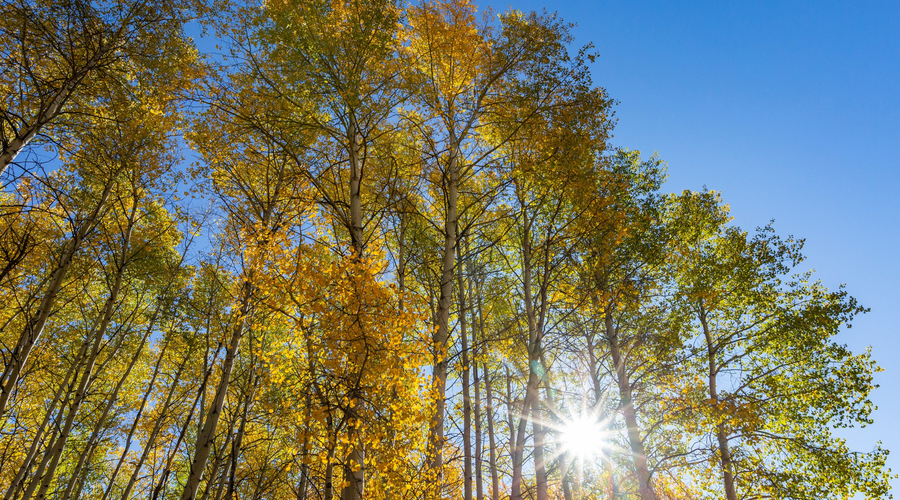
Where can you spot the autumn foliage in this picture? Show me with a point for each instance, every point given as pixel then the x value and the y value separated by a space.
pixel 383 250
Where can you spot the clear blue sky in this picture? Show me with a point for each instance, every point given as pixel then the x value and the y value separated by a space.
pixel 792 110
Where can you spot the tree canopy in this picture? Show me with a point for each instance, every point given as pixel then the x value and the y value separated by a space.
pixel 384 250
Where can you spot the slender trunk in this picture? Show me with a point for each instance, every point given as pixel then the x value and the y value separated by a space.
pixel 99 333
pixel 167 469
pixel 356 220
pixel 42 466
pixel 206 368
pixel 95 435
pixel 532 394
pixel 721 434
pixel 540 467
pixel 208 433
pixel 81 394
pixel 594 368
pixel 401 260
pixel 239 440
pixel 304 467
pixel 84 478
pixel 518 455
pixel 355 463
pixel 467 401
pixel 220 489
pixel 563 457
pixel 645 488
pixel 510 414
pixel 489 403
pixel 217 463
pixel 35 443
pixel 492 441
pixel 476 382
pixel 157 427
pixel 54 453
pixel 260 485
pixel 329 472
pixel 564 466
pixel 137 419
pixel 479 465
pixel 171 456
pixel 442 332
pixel 35 326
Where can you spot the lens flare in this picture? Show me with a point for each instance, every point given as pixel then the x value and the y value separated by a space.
pixel 584 437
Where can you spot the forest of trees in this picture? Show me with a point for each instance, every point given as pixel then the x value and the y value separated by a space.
pixel 377 249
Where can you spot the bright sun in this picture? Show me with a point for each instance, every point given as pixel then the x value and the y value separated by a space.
pixel 584 437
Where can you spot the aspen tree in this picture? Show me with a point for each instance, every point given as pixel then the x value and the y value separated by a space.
pixel 462 67
pixel 624 268
pixel 758 334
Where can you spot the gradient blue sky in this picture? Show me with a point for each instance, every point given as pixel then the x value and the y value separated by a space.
pixel 792 110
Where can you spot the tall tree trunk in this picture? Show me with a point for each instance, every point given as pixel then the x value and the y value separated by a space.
pixel 239 439
pixel 219 485
pixel 645 488
pixel 401 260
pixel 479 465
pixel 157 427
pixel 304 467
pixel 84 478
pixel 137 418
pixel 540 466
pixel 167 469
pixel 95 435
pixel 329 471
pixel 35 326
pixel 355 462
pixel 492 441
pixel 510 413
pixel 208 433
pixel 42 466
pixel 442 332
pixel 35 443
pixel 594 368
pixel 532 394
pixel 356 219
pixel 721 434
pixel 467 400
pixel 489 402
pixel 206 368
pixel 81 393
pixel 518 454
pixel 54 453
pixel 563 457
pixel 477 326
